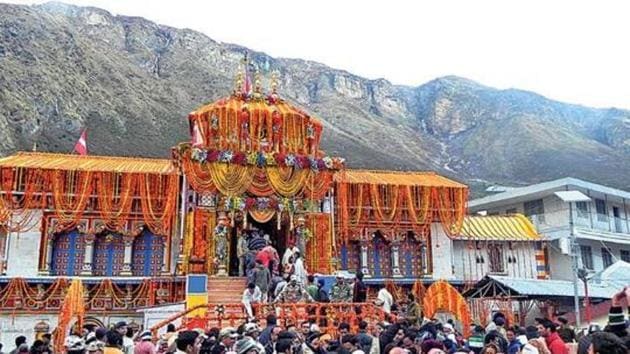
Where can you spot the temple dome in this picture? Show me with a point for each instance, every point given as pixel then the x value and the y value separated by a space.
pixel 251 121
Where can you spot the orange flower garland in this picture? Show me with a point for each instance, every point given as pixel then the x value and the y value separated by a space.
pixel 25 191
pixel 73 306
pixel 319 248
pixel 442 296
pixel 385 206
pixel 236 124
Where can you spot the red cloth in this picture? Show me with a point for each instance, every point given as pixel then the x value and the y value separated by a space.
pixel 556 344
pixel 264 257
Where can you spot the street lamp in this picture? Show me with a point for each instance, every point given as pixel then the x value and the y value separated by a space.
pixel 571 197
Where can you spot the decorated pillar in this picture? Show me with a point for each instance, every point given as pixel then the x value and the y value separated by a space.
pixel 126 269
pixel 49 251
pixel 364 258
pixel 165 253
pixel 302 235
pixel 221 245
pixel 396 258
pixel 88 256
pixel 423 258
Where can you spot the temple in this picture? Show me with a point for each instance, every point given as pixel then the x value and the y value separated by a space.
pixel 133 228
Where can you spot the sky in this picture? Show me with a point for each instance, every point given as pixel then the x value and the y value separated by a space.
pixel 572 51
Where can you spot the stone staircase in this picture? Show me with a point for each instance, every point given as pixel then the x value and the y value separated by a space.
pixel 224 290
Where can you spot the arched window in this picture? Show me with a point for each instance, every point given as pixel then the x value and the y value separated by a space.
pixel 148 251
pixel 109 254
pixel 67 255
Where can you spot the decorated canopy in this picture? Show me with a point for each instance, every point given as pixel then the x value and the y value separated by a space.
pixel 256 144
pixel 396 201
pixel 116 189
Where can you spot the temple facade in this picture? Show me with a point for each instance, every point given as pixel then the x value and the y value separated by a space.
pixel 132 228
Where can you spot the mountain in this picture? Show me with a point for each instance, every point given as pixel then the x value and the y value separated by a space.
pixel 132 83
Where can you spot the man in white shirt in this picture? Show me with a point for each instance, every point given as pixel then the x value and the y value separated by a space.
pixel 288 253
pixel 251 295
pixel 385 299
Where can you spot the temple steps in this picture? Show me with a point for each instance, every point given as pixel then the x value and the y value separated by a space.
pixel 223 290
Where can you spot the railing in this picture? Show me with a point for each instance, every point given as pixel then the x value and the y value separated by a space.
pixel 103 295
pixel 614 224
pixel 326 315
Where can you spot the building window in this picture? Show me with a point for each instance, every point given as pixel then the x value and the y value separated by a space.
pixel 587 257
pixel 625 256
pixel 535 209
pixel 606 257
pixel 495 256
pixel 511 211
pixel 582 210
pixel 600 207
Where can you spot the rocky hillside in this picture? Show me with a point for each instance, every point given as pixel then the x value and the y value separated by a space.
pixel 132 83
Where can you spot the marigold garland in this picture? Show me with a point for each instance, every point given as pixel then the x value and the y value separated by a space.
pixel 442 296
pixel 385 206
pixel 24 192
pixel 234 179
pixel 73 306
pixel 249 123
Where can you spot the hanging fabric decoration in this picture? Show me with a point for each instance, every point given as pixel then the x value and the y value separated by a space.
pixel 229 179
pixel 319 248
pixel 73 306
pixel 116 193
pixel 287 181
pixel 389 199
pixel 262 216
pixel 107 187
pixel 442 296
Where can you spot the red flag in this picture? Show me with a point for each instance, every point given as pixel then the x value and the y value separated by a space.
pixel 197 138
pixel 81 146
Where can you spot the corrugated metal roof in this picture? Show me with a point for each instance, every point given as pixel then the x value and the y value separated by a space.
pixel 539 287
pixel 514 227
pixel 50 161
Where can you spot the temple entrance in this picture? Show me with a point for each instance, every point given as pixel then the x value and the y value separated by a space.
pixel 279 239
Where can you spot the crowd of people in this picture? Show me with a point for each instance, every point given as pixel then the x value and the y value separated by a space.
pixel 274 280
pixel 406 332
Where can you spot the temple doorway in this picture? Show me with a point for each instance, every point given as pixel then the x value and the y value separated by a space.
pixel 279 238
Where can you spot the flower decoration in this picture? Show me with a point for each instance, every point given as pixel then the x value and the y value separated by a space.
pixel 226 156
pixel 239 158
pixel 313 163
pixel 290 160
pixel 252 157
pixel 262 159
pixel 328 162
pixel 214 122
pixel 270 159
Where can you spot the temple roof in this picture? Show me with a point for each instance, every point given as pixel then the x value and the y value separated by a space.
pixel 52 161
pixel 427 179
pixel 498 228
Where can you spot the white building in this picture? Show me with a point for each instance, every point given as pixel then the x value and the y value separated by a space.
pixel 602 226
pixel 502 245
